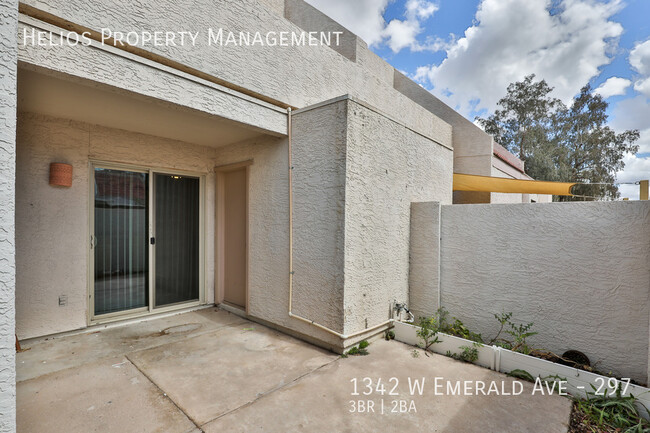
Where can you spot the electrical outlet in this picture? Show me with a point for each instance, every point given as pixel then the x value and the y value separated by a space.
pixel 63 300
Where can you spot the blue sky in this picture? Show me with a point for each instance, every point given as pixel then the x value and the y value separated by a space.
pixel 467 51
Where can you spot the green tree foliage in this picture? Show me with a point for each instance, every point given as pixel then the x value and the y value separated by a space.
pixel 560 143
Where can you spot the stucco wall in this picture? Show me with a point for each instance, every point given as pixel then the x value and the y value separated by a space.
pixel 579 271
pixel 268 208
pixel 388 166
pixel 8 82
pixel 424 257
pixel 413 153
pixel 299 76
pixel 319 166
pixel 355 173
pixel 52 222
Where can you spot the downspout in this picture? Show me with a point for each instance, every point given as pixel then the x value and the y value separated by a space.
pixel 295 316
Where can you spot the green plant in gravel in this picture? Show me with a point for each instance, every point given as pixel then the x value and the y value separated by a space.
pixel 456 328
pixel 503 318
pixel 439 322
pixel 520 333
pixel 359 350
pixel 467 354
pixel 428 331
pixel 617 412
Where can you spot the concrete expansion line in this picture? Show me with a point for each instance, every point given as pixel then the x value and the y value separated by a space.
pixel 272 390
pixel 162 391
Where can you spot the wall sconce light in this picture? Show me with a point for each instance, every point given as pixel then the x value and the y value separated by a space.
pixel 60 174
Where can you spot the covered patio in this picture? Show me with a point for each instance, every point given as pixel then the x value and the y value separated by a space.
pixel 210 370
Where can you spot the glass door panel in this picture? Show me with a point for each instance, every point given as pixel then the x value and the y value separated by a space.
pixel 121 253
pixel 176 241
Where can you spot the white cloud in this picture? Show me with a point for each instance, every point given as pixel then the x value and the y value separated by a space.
pixel 513 38
pixel 640 58
pixel 401 34
pixel 636 169
pixel 633 113
pixel 640 62
pixel 365 19
pixel 613 86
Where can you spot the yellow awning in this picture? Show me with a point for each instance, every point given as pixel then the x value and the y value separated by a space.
pixel 470 182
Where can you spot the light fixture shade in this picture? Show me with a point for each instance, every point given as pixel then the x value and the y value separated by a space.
pixel 60 174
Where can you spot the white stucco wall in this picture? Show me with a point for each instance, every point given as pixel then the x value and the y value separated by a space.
pixel 424 257
pixel 299 76
pixel 319 161
pixel 388 166
pixel 579 271
pixel 414 151
pixel 8 82
pixel 52 222
pixel 268 265
pixel 351 218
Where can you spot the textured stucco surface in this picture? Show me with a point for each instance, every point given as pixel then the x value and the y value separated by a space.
pixel 388 163
pixel 268 215
pixel 579 271
pixel 52 222
pixel 387 167
pixel 8 82
pixel 299 76
pixel 319 161
pixel 351 218
pixel 424 255
pixel 99 65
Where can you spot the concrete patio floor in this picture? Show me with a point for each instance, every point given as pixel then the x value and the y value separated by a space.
pixel 212 371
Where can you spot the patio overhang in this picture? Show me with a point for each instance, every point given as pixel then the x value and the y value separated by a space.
pixel 94 79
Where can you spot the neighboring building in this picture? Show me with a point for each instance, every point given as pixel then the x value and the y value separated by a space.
pixel 475 152
pixel 193 183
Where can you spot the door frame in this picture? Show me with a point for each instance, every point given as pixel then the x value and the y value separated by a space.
pixel 220 172
pixel 93 319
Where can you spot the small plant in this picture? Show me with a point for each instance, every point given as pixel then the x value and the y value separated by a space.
pixel 389 335
pixel 415 353
pixel 468 354
pixel 428 331
pixel 521 374
pixel 616 412
pixel 520 333
pixel 503 318
pixel 360 350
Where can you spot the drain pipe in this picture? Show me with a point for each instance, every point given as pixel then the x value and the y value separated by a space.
pixel 291 272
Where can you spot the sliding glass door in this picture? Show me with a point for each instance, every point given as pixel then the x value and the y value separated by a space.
pixel 176 239
pixel 120 240
pixel 145 240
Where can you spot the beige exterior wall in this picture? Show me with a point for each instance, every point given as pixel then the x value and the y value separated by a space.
pixel 299 76
pixel 503 169
pixel 338 147
pixel 388 167
pixel 578 271
pixel 8 90
pixel 53 223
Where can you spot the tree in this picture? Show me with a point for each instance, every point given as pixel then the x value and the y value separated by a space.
pixel 559 143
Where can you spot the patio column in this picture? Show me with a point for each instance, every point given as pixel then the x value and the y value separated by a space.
pixel 8 76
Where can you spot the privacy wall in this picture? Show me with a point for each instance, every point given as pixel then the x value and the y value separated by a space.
pixel 8 77
pixel 578 271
